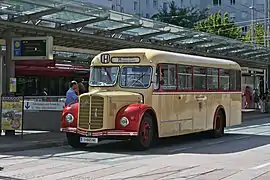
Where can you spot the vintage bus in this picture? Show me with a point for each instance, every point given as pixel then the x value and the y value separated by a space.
pixel 143 94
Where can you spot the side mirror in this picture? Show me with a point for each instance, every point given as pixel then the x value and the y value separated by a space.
pixel 161 82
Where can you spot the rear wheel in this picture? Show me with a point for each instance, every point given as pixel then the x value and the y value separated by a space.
pixel 219 125
pixel 74 140
pixel 147 134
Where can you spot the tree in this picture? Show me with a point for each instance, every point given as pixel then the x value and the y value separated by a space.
pixel 184 17
pixel 258 34
pixel 220 25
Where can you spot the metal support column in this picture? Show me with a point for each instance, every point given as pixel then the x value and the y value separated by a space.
pixel 265 83
pixel 9 67
pixel 266 23
pixel 252 8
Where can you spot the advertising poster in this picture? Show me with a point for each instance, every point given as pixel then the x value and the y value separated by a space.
pixel 12 113
pixel 12 85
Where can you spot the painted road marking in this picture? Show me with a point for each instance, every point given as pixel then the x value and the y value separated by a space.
pixel 260 166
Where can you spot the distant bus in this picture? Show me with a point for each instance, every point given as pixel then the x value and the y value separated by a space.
pixel 143 94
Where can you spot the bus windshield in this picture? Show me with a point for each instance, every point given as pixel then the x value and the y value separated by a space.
pixel 103 76
pixel 135 76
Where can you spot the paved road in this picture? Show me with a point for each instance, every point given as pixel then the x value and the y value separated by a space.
pixel 244 153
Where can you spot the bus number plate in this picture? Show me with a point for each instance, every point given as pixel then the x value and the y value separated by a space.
pixel 88 140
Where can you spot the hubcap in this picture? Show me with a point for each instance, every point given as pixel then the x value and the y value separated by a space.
pixel 145 133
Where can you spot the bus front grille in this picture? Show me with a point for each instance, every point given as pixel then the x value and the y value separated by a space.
pixel 97 108
pixel 84 112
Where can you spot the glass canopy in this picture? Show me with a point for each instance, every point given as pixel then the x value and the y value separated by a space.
pixel 87 18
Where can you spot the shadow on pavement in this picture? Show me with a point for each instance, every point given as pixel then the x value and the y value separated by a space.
pixel 198 143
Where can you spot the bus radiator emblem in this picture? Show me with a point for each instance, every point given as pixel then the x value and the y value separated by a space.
pixel 96 112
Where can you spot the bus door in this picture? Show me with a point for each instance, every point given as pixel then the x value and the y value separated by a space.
pixel 200 98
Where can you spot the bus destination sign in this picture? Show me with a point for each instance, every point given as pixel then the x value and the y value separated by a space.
pixel 125 59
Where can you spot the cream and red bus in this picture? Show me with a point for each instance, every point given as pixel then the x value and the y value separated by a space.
pixel 143 94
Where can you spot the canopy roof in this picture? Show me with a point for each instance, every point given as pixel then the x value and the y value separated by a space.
pixel 75 22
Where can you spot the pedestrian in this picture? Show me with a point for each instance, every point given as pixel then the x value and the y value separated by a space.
pixel 248 95
pixel 71 95
pixel 81 87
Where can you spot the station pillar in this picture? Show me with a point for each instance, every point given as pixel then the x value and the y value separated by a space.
pixel 8 69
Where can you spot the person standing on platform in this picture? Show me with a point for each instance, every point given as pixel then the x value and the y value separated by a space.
pixel 72 93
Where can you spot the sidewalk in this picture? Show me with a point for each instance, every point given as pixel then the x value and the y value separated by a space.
pixel 32 141
pixel 39 139
pixel 251 114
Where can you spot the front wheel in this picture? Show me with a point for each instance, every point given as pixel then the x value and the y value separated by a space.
pixel 74 141
pixel 147 134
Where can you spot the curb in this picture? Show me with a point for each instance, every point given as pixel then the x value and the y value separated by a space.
pixel 32 146
pixel 254 117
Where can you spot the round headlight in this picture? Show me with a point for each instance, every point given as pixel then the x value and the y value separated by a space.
pixel 69 118
pixel 124 121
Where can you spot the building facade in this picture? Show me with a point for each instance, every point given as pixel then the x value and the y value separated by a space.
pixel 239 10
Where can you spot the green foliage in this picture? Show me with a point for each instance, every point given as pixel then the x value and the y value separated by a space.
pixel 220 25
pixel 258 34
pixel 184 17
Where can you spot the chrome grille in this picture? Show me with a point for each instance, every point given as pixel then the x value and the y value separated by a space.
pixel 97 107
pixel 84 112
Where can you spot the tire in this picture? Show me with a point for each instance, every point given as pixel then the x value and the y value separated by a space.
pixel 219 125
pixel 147 134
pixel 74 141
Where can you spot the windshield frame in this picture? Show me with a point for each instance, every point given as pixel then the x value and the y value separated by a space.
pixel 111 85
pixel 126 87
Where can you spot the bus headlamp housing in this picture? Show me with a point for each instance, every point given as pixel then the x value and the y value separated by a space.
pixel 124 121
pixel 69 118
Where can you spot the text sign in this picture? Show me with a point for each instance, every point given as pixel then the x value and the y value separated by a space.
pixel 125 59
pixel 32 48
pixel 43 106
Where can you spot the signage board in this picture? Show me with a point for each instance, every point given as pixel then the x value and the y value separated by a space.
pixel 32 48
pixel 43 106
pixel 12 113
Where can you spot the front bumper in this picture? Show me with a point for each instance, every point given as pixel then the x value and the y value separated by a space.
pixel 102 133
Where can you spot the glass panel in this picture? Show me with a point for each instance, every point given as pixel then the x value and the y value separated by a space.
pixel 199 74
pixel 103 76
pixel 139 31
pixel 107 24
pixel 136 76
pixel 184 77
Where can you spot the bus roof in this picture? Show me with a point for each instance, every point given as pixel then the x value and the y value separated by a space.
pixel 158 56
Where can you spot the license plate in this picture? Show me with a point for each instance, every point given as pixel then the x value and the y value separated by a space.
pixel 88 140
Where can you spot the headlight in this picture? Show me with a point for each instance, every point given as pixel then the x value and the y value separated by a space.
pixel 124 121
pixel 69 118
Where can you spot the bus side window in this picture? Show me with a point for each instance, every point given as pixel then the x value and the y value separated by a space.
pixel 224 80
pixel 212 79
pixel 238 80
pixel 184 77
pixel 168 76
pixel 156 78
pixel 232 80
pixel 199 75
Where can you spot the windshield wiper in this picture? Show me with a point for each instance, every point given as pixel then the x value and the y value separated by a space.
pixel 138 79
